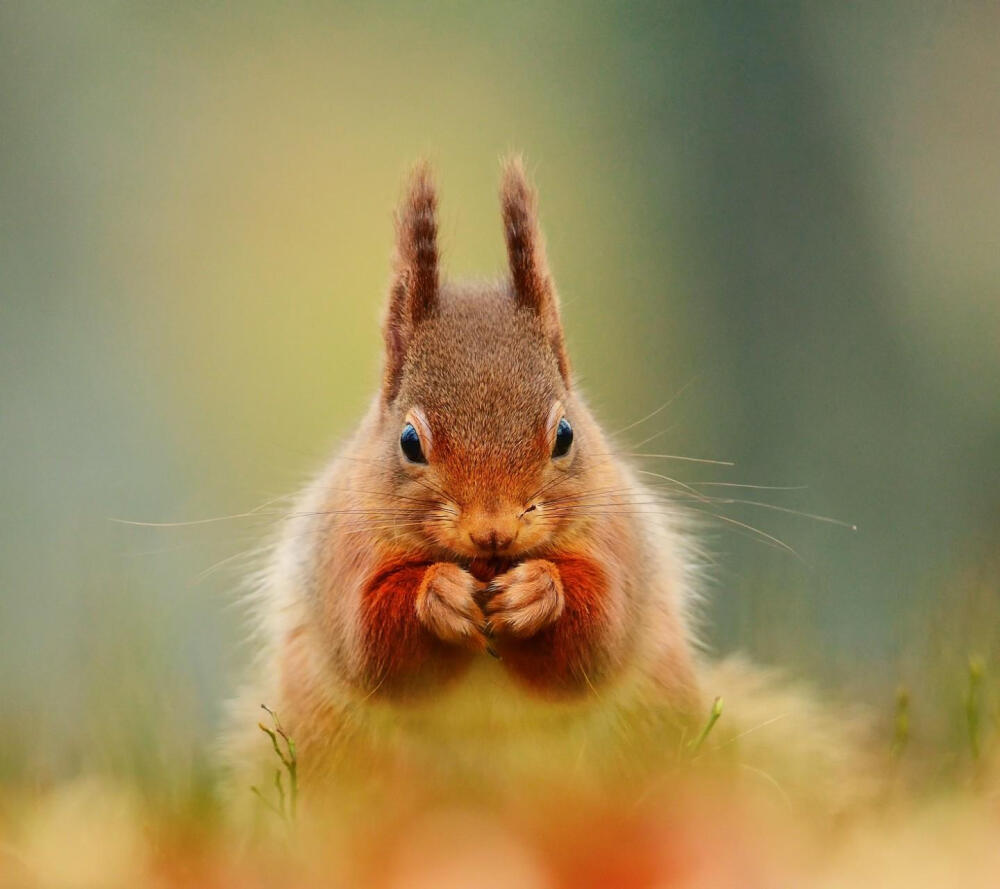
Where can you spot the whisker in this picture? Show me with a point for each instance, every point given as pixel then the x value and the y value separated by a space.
pixel 623 490
pixel 755 487
pixel 338 512
pixel 225 518
pixel 679 457
pixel 601 511
pixel 779 543
pixel 605 498
pixel 725 501
pixel 660 409
pixel 569 476
pixel 206 573
pixel 401 526
pixel 256 511
pixel 692 491
pixel 595 504
pixel 389 495
pixel 806 515
pixel 658 434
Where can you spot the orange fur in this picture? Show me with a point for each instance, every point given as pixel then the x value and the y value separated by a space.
pixel 391 574
pixel 401 654
pixel 567 654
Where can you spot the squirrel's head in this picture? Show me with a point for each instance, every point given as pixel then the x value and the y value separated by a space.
pixel 489 448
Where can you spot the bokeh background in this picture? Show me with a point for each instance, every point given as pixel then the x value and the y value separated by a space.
pixel 780 219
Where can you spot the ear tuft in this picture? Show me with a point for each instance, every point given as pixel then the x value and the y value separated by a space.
pixel 529 271
pixel 416 242
pixel 413 293
pixel 525 249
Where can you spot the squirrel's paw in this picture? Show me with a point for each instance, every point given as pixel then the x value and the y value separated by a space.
pixel 446 605
pixel 528 598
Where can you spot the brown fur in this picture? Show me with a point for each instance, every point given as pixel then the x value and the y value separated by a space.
pixel 393 582
pixel 529 272
pixel 414 289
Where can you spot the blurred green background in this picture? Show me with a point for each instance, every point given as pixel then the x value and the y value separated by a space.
pixel 786 213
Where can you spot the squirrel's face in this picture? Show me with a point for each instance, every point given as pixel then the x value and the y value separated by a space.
pixel 483 502
pixel 483 432
pixel 488 443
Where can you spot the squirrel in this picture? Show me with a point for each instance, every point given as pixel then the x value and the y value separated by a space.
pixel 477 575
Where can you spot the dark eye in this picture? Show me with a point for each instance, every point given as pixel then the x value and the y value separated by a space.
pixel 564 438
pixel 409 443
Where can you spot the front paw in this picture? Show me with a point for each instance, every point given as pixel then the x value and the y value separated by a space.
pixel 446 605
pixel 527 599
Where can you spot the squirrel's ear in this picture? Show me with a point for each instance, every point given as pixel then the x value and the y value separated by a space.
pixel 529 271
pixel 413 293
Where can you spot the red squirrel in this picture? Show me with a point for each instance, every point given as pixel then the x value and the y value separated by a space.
pixel 477 531
pixel 478 590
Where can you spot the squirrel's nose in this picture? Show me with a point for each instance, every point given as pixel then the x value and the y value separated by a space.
pixel 493 536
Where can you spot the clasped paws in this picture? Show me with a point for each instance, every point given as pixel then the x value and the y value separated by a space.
pixel 524 600
pixel 461 610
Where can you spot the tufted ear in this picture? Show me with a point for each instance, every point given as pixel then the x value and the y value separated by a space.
pixel 529 272
pixel 413 293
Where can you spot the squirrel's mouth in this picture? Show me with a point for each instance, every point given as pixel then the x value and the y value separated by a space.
pixel 462 550
pixel 495 538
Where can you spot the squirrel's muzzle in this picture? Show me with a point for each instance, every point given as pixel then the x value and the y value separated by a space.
pixel 492 532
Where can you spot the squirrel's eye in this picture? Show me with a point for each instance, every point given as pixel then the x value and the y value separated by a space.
pixel 409 443
pixel 564 438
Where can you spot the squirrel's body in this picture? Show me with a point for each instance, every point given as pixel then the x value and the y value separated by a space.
pixel 475 709
pixel 477 581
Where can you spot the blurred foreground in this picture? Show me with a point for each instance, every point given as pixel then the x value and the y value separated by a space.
pixel 807 794
pixel 695 831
